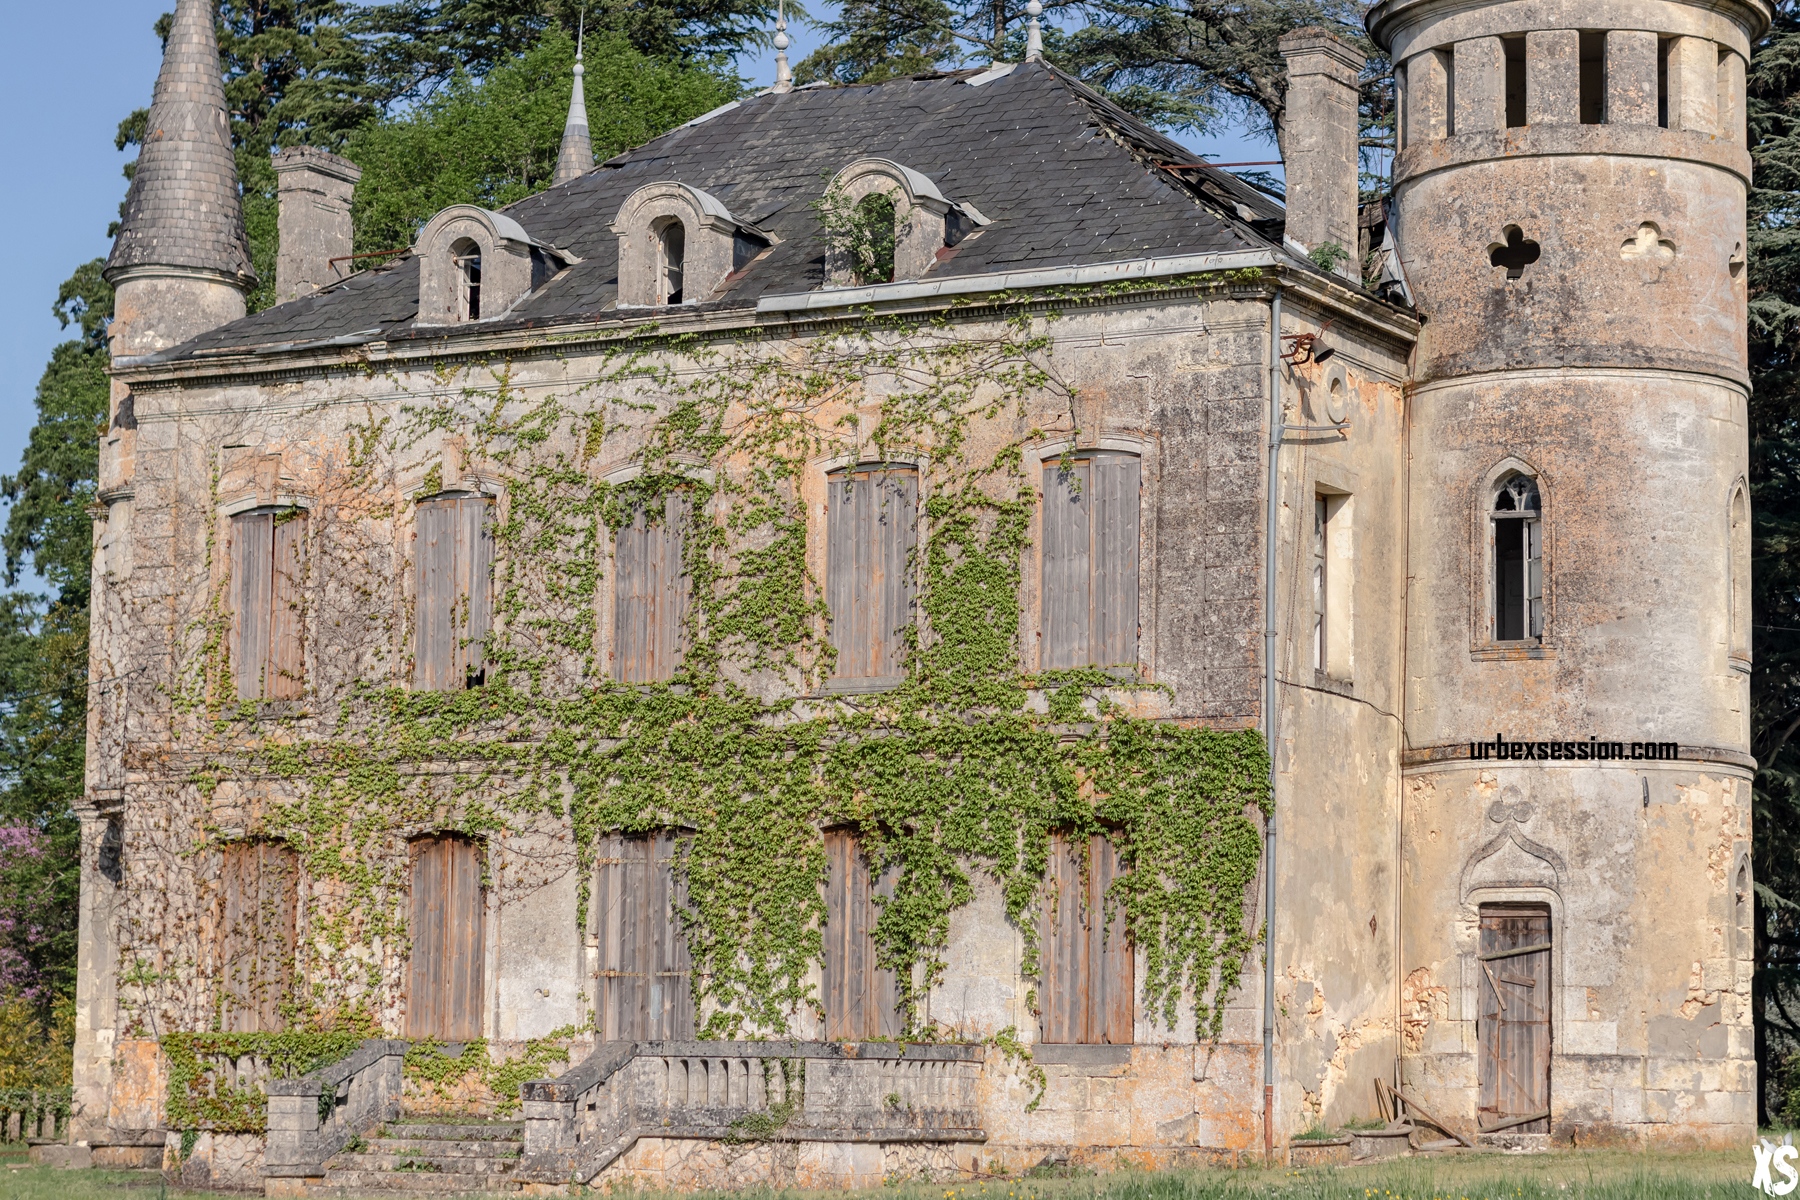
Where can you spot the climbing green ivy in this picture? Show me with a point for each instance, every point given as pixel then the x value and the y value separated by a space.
pixel 967 767
pixel 205 1091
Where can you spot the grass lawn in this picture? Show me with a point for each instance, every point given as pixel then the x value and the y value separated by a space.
pixel 1584 1175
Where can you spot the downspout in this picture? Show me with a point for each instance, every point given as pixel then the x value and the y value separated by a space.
pixel 1268 722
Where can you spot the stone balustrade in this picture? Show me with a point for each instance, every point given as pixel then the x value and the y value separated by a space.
pixel 313 1117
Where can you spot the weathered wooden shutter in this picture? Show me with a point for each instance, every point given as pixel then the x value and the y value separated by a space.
pixel 267 571
pixel 444 991
pixel 1085 993
pixel 1090 562
pixel 453 555
pixel 862 1000
pixel 1513 1027
pixel 871 527
pixel 260 882
pixel 282 679
pixel 645 990
pixel 650 588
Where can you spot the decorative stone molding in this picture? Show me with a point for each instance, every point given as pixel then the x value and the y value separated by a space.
pixel 924 221
pixel 512 264
pixel 714 245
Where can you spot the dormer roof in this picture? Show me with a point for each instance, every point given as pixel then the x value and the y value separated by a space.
pixel 1062 176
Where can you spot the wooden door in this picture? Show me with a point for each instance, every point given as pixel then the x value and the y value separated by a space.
pixel 1085 993
pixel 862 999
pixel 1513 1027
pixel 260 886
pixel 645 990
pixel 444 990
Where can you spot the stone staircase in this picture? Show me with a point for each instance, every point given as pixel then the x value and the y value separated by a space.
pixel 440 1158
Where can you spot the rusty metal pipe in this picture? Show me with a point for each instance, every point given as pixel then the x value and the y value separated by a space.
pixel 1274 509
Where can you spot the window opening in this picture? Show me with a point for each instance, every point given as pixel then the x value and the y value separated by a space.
pixel 1593 77
pixel 467 256
pixel 1513 50
pixel 1740 575
pixel 876 218
pixel 1320 516
pixel 645 989
pixel 871 515
pixel 267 571
pixel 444 970
pixel 1515 254
pixel 674 255
pixel 650 592
pixel 1518 561
pixel 1090 561
pixel 1663 46
pixel 862 998
pixel 1086 969
pixel 260 884
pixel 453 568
pixel 1512 1026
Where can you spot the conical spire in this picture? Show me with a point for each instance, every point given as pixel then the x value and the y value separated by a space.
pixel 183 209
pixel 577 155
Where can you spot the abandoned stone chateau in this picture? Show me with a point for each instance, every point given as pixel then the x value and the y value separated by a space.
pixel 754 664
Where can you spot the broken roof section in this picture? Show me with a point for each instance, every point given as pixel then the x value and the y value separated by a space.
pixel 1065 177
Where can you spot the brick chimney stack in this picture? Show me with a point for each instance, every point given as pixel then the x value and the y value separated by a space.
pixel 1320 145
pixel 315 191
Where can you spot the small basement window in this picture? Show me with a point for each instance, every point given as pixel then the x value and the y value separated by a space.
pixel 467 256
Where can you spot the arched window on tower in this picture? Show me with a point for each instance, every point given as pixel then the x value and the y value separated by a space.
pixel 467 254
pixel 1518 547
pixel 672 241
pixel 1739 551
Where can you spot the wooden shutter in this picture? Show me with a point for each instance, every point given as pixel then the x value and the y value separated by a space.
pixel 282 679
pixel 645 991
pixel 1086 975
pixel 650 589
pixel 1090 562
pixel 453 555
pixel 871 527
pixel 260 882
pixel 444 991
pixel 252 584
pixel 1513 1028
pixel 862 1000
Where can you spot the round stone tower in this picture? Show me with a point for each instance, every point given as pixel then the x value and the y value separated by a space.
pixel 1569 196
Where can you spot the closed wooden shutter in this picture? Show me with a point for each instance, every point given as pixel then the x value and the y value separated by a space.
pixel 260 885
pixel 453 554
pixel 1513 1028
pixel 267 572
pixel 1086 975
pixel 650 589
pixel 862 1000
pixel 645 990
pixel 1090 561
pixel 871 527
pixel 444 990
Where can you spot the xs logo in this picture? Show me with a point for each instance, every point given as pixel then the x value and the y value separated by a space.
pixel 1772 1161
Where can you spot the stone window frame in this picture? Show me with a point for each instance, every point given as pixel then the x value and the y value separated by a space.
pixel 925 222
pixel 1739 588
pixel 1483 646
pixel 1467 941
pixel 716 246
pixel 513 264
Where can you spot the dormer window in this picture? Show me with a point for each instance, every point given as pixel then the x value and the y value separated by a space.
pixel 678 245
pixel 875 242
pixel 475 265
pixel 673 243
pixel 886 222
pixel 467 255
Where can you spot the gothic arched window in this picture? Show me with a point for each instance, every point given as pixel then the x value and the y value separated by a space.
pixel 1518 546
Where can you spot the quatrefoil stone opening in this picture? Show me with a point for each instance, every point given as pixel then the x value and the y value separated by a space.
pixel 1515 253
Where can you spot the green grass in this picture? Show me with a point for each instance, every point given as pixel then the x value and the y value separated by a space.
pixel 1587 1175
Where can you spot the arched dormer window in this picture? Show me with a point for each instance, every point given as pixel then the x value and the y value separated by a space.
pixel 924 223
pixel 467 256
pixel 673 243
pixel 1516 521
pixel 875 248
pixel 678 245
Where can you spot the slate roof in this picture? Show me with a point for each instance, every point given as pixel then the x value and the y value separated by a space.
pixel 182 209
pixel 1066 177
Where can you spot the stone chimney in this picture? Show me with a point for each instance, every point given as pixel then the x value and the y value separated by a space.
pixel 1321 141
pixel 315 191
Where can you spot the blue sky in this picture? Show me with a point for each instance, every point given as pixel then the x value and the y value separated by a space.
pixel 95 61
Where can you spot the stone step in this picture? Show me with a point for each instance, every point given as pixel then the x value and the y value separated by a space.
pixel 480 1148
pixel 363 1183
pixel 443 1164
pixel 454 1131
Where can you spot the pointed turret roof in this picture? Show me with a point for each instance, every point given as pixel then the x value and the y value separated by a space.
pixel 577 155
pixel 183 208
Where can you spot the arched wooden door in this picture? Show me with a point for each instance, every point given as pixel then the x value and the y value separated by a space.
pixel 444 988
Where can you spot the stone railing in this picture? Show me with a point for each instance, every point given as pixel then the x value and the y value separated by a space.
pixel 746 1091
pixel 34 1114
pixel 313 1117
